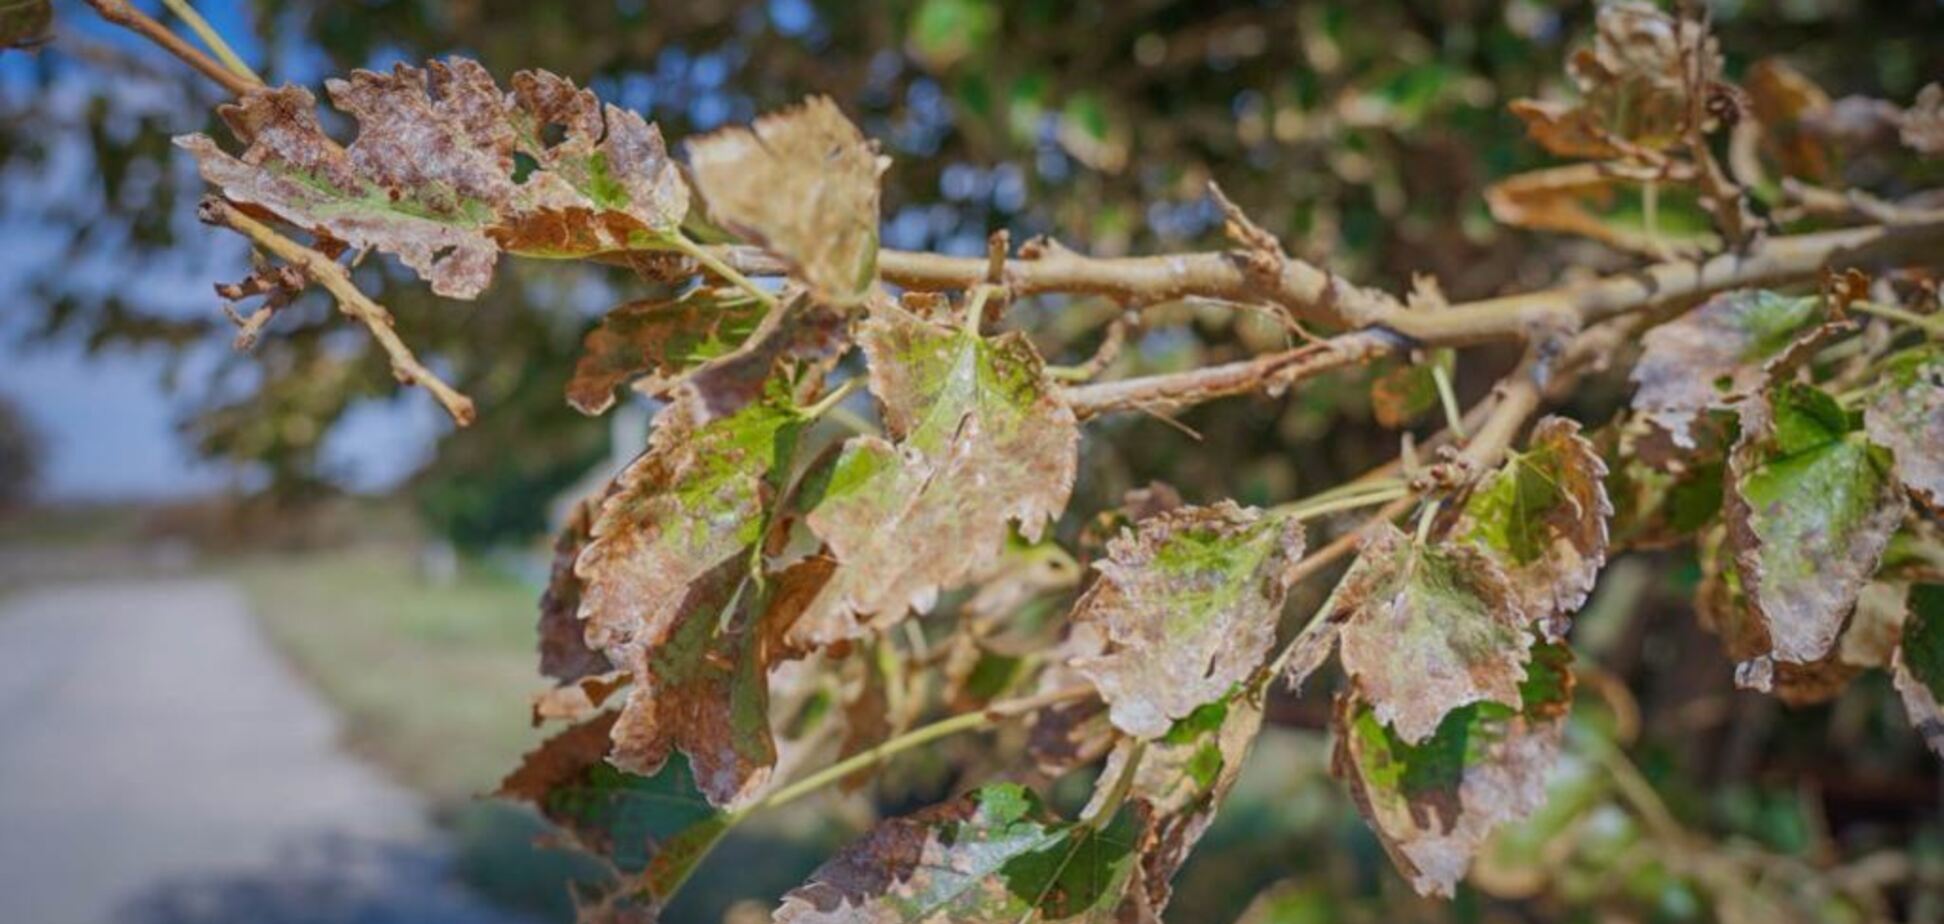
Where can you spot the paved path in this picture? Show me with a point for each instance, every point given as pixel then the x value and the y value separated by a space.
pixel 160 765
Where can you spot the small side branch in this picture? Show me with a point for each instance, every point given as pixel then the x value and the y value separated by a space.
pixel 122 13
pixel 334 278
pixel 1271 372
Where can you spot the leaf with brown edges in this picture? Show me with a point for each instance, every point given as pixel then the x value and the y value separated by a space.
pixel 1434 802
pixel 803 184
pixel 435 175
pixel 564 653
pixel 1543 516
pixel 698 497
pixel 1906 416
pixel 1715 356
pixel 1810 507
pixel 983 442
pixel 1189 602
pixel 1425 630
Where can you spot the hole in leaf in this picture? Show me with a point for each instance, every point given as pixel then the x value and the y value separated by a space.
pixel 552 134
pixel 523 166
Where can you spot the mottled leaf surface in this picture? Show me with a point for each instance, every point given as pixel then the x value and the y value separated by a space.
pixel 656 340
pixel 1718 354
pixel 695 499
pixel 1189 602
pixel 1434 802
pixel 448 170
pixel 1922 125
pixel 1810 506
pixel 995 854
pixel 1543 516
pixel 1428 629
pixel 655 827
pixel 803 183
pixel 1182 777
pixel 1906 415
pixel 704 689
pixel 982 443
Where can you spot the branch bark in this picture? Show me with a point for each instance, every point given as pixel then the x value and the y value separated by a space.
pixel 121 13
pixel 353 302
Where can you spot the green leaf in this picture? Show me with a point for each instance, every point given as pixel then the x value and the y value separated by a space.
pixel 945 32
pixel 983 442
pixel 803 184
pixel 653 827
pixel 1918 667
pixel 1543 516
pixel 432 174
pixel 25 23
pixel 1428 629
pixel 1906 415
pixel 995 854
pixel 1434 802
pixel 1189 603
pixel 1810 507
pixel 1715 356
pixel 657 340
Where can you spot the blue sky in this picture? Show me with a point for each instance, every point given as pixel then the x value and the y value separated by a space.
pixel 109 420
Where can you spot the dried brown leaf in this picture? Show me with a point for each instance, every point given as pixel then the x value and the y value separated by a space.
pixel 432 176
pixel 802 183
pixel 564 653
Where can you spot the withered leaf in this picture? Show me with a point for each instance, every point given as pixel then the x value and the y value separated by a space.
pixel 704 689
pixel 1183 777
pixel 1544 516
pixel 1428 629
pixel 802 183
pixel 1918 668
pixel 1810 506
pixel 658 339
pixel 1906 416
pixel 1582 199
pixel 435 174
pixel 564 653
pixel 1922 125
pixel 1634 86
pixel 1188 602
pixel 25 23
pixel 983 442
pixel 1433 803
pixel 1716 355
pixel 652 828
pixel 995 854
pixel 695 499
pixel 1783 100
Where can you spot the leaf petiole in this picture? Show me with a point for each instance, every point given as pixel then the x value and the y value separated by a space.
pixel 715 264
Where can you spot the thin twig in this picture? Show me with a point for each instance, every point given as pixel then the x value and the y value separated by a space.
pixel 351 301
pixel 213 39
pixel 121 13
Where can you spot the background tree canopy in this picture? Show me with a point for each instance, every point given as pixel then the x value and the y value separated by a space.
pixel 1362 135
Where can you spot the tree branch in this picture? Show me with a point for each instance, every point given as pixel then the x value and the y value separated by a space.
pixel 121 13
pixel 351 301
